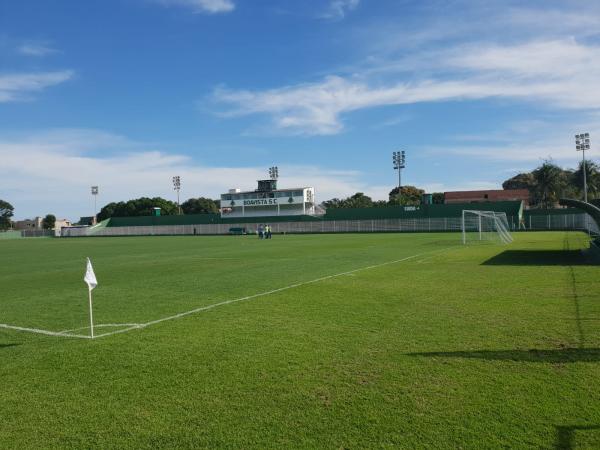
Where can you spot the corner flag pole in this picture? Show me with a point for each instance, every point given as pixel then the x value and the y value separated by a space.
pixel 91 315
pixel 90 279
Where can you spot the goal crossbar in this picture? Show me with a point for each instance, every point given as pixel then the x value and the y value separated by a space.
pixel 486 225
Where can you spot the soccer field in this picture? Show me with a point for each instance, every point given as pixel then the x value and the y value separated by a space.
pixel 304 341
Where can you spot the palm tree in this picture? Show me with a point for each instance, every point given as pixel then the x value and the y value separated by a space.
pixel 550 181
pixel 592 172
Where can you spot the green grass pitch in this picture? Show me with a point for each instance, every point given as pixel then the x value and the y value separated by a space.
pixel 477 346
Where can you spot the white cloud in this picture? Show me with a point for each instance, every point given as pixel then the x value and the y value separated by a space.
pixel 18 86
pixel 36 49
pixel 393 121
pixel 553 59
pixel 202 6
pixel 561 151
pixel 52 171
pixel 559 73
pixel 339 8
pixel 527 143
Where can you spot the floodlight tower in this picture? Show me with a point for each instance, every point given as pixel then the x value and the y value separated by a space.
pixel 582 143
pixel 399 159
pixel 177 187
pixel 274 172
pixel 95 194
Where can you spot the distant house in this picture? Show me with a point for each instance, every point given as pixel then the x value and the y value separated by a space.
pixel 36 224
pixel 492 195
pixel 29 224
pixel 62 223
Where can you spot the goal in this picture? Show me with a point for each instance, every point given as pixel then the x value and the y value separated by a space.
pixel 485 226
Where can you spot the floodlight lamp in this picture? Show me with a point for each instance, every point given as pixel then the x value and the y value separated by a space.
pixel 273 172
pixel 176 183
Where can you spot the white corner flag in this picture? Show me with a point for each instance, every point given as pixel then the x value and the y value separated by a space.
pixel 90 279
pixel 90 276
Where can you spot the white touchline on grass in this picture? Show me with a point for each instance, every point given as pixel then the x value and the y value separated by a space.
pixel 46 332
pixel 102 325
pixel 215 305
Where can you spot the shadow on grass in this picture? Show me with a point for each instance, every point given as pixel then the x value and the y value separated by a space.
pixel 8 345
pixel 565 435
pixel 539 258
pixel 567 355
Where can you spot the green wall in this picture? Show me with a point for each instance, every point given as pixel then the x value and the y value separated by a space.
pixel 512 209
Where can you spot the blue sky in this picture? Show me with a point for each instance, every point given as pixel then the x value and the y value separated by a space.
pixel 125 94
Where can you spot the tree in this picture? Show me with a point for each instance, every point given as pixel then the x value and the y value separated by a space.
pixel 199 205
pixel 521 181
pixel 142 206
pixel 333 203
pixel 49 222
pixel 359 200
pixel 592 172
pixel 6 212
pixel 438 198
pixel 409 196
pixel 550 182
pixel 380 203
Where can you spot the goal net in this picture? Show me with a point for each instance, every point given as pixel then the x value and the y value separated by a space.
pixel 485 226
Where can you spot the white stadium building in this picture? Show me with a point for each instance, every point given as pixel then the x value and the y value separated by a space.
pixel 267 200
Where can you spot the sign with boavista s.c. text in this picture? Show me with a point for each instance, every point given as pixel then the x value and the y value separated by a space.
pixel 273 201
pixel 260 202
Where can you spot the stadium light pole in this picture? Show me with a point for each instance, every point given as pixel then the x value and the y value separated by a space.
pixel 177 187
pixel 274 172
pixel 582 143
pixel 95 194
pixel 399 159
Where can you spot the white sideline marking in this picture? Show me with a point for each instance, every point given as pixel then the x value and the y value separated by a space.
pixel 49 333
pixel 135 326
pixel 103 325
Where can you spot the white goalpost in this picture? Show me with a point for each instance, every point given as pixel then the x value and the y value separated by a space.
pixel 485 226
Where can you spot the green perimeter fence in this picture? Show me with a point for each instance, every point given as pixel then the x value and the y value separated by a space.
pixel 573 221
pixel 423 218
pixel 18 234
pixel 10 235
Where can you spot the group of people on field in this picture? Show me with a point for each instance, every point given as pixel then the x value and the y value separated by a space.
pixel 264 231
